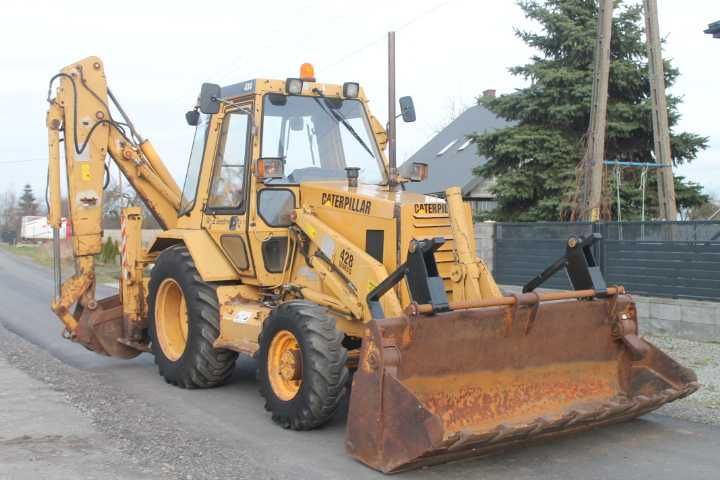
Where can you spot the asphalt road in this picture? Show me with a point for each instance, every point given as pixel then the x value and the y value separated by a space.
pixel 228 426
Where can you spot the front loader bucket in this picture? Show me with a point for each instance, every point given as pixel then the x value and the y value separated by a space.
pixel 432 388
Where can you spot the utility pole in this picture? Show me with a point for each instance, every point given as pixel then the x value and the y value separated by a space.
pixel 661 129
pixel 590 199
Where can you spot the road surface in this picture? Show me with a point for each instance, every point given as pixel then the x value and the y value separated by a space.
pixel 211 433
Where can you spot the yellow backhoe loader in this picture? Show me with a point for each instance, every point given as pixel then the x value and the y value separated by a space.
pixel 293 241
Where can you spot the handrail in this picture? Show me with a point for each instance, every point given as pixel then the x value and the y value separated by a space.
pixel 521 299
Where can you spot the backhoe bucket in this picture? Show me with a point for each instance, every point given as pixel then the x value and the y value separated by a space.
pixel 432 388
pixel 102 329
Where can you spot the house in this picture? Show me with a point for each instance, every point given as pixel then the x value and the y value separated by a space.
pixel 451 158
pixel 714 29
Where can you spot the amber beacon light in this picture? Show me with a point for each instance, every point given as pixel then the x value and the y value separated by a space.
pixel 307 72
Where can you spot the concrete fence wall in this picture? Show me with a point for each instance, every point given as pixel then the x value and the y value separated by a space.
pixel 691 319
pixel 485 239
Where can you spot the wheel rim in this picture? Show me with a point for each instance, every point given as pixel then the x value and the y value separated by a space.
pixel 285 365
pixel 171 319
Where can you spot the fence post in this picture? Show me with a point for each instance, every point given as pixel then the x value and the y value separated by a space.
pixel 600 248
pixel 485 243
pixel 494 248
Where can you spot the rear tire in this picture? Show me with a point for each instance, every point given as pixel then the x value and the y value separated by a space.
pixel 322 358
pixel 198 364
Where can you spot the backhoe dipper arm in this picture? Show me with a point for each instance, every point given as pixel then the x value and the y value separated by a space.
pixel 80 110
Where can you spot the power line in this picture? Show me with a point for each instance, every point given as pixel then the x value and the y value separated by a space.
pixel 28 160
pixel 382 38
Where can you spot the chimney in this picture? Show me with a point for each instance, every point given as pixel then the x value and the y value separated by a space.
pixel 490 93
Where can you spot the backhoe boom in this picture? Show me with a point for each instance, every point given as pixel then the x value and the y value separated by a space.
pixel 79 116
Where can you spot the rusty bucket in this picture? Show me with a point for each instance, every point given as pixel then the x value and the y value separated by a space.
pixel 102 329
pixel 436 387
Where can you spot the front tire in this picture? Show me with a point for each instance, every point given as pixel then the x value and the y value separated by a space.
pixel 301 365
pixel 184 321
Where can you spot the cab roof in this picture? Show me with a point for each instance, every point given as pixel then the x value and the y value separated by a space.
pixel 261 86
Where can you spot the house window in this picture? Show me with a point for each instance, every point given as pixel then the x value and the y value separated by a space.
pixel 447 147
pixel 480 205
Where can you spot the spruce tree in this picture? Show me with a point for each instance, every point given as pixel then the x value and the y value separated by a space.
pixel 534 160
pixel 27 203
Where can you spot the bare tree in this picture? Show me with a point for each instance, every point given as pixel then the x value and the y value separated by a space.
pixel 9 216
pixel 705 211
pixel 455 106
pixel 115 199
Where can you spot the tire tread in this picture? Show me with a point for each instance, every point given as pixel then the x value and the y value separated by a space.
pixel 203 366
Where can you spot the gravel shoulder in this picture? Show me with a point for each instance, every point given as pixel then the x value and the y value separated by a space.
pixel 43 436
pixel 704 358
pixel 68 423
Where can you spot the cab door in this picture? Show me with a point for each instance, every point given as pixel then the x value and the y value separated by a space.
pixel 225 213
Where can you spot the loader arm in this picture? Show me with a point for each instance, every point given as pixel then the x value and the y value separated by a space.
pixel 79 116
pixel 346 270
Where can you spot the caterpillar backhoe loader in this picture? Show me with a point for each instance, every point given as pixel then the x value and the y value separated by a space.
pixel 293 240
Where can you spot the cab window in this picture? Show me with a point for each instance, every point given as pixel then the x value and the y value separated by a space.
pixel 318 137
pixel 226 189
pixel 194 165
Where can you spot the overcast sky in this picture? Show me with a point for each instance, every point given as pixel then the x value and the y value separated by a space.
pixel 157 54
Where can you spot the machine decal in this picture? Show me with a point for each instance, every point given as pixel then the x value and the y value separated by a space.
pixel 88 199
pixel 242 317
pixel 431 208
pixel 346 260
pixel 346 203
pixel 85 172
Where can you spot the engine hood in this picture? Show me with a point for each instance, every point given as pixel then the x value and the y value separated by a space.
pixel 367 200
pixel 382 222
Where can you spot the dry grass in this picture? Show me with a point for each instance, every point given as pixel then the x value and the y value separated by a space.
pixel 41 254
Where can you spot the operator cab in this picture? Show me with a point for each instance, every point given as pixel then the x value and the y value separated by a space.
pixel 256 142
pixel 308 131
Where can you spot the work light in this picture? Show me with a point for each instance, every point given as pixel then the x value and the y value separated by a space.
pixel 419 171
pixel 270 168
pixel 293 86
pixel 351 89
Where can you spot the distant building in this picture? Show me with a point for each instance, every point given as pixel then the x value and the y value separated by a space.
pixel 451 158
pixel 714 29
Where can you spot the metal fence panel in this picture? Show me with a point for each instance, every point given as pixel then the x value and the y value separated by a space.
pixel 663 259
pixel 696 231
pixel 665 269
pixel 522 250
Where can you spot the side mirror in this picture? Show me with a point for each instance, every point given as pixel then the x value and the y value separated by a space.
pixel 192 117
pixel 209 98
pixel 407 109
